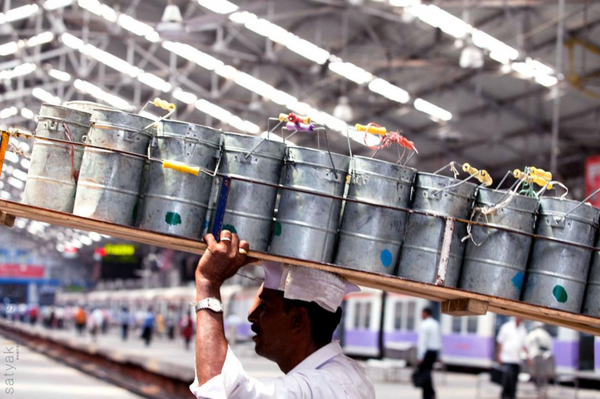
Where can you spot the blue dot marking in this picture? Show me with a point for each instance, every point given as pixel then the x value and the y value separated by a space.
pixel 517 280
pixel 386 258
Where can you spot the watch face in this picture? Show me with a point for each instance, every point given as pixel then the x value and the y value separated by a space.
pixel 215 305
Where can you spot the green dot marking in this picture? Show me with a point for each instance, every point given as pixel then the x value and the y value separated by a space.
pixel 277 229
pixel 560 293
pixel 172 218
pixel 230 227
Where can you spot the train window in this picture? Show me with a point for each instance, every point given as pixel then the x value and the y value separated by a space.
pixel 410 316
pixel 472 324
pixel 357 314
pixel 367 323
pixel 398 316
pixel 456 325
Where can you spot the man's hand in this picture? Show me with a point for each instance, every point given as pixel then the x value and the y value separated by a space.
pixel 221 259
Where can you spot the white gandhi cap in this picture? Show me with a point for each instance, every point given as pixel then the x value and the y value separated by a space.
pixel 306 284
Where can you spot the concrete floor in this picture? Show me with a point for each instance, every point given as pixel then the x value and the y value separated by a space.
pixel 40 377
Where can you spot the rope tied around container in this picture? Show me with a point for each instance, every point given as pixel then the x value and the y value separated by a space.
pixel 15 149
pixel 71 152
pixel 388 138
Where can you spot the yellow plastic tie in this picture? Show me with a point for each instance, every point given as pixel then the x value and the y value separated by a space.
pixel 535 176
pixel 181 167
pixel 483 176
pixel 382 131
pixel 283 118
pixel 541 173
pixel 167 106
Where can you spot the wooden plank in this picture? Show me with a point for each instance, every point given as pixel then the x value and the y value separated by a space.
pixel 389 283
pixel 6 219
pixel 464 307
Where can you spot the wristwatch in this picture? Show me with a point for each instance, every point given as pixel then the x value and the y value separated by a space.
pixel 208 303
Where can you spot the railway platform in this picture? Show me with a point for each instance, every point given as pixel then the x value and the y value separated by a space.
pixel 172 360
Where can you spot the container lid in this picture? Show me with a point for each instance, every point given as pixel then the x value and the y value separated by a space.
pixel 122 120
pixel 87 106
pixel 235 142
pixel 558 207
pixel 432 181
pixel 318 158
pixel 65 114
pixel 490 197
pixel 181 129
pixel 389 170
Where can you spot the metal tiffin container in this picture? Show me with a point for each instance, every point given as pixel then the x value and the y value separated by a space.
pixel 87 106
pixel 54 171
pixel 370 237
pixel 173 202
pixel 421 254
pixel 591 302
pixel 250 206
pixel 109 182
pixel 306 223
pixel 495 260
pixel 557 273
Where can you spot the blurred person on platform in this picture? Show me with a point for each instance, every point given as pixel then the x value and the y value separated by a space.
pixel 148 326
pixel 510 344
pixel 95 323
pixel 80 320
pixel 124 321
pixel 33 315
pixel 171 322
pixel 160 325
pixel 22 309
pixel 429 344
pixel 538 342
pixel 60 317
pixel 187 329
pixel 105 321
pixel 294 315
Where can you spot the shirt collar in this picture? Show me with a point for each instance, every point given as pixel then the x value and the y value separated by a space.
pixel 320 357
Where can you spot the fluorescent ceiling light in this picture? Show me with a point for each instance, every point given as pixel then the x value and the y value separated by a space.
pixel 350 71
pixel 102 95
pixel 19 174
pixel 42 38
pixel 154 81
pixel 72 41
pixel 190 53
pixel 45 96
pixel 219 6
pixel 25 163
pixel 5 195
pixel 21 70
pixel 184 96
pixel 27 113
pixel 11 156
pixel 19 13
pixel 8 112
pixel 16 183
pixel 227 117
pixel 96 7
pixel 59 75
pixel 56 4
pixel 8 48
pixel 13 47
pixel 432 109
pixel 389 90
pixel 95 236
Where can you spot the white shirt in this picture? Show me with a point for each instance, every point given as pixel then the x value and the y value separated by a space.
pixel 430 338
pixel 538 342
pixel 325 374
pixel 512 339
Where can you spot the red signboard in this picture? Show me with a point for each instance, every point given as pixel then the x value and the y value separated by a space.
pixel 592 178
pixel 15 270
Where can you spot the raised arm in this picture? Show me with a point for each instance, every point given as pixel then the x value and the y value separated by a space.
pixel 220 262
